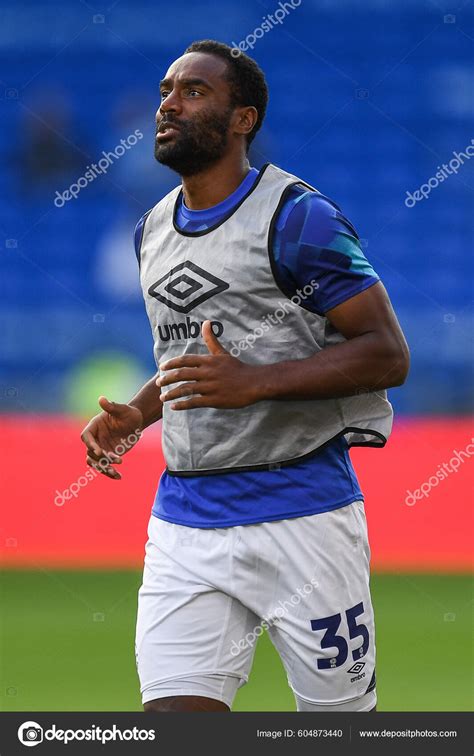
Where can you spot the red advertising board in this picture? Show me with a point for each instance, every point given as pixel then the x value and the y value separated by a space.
pixel 418 493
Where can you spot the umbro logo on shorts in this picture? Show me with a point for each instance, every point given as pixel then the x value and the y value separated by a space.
pixel 186 286
pixel 356 668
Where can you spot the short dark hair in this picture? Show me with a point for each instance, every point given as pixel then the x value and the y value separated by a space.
pixel 246 79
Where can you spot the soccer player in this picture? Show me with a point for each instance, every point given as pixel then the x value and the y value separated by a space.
pixel 275 342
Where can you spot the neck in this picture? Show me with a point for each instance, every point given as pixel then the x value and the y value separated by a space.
pixel 217 182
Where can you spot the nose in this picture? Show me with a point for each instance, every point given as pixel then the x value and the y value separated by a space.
pixel 171 103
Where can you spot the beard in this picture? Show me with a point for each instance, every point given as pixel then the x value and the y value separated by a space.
pixel 200 142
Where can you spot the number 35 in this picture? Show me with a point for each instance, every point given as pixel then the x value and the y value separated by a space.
pixel 330 638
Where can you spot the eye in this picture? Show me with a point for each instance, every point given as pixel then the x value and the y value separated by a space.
pixel 194 92
pixel 164 94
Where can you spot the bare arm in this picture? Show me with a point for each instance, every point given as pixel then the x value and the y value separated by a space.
pixel 375 355
pixel 147 400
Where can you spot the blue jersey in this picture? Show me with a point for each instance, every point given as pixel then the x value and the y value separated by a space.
pixel 312 240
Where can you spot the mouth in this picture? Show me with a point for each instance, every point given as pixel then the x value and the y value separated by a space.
pixel 166 131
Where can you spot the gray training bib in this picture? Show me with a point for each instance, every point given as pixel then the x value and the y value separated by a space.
pixel 224 274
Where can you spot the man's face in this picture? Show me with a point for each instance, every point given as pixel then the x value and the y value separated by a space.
pixel 192 123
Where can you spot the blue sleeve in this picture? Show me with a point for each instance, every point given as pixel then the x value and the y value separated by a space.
pixel 138 235
pixel 312 240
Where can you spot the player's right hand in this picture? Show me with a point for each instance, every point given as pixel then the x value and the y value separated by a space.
pixel 113 429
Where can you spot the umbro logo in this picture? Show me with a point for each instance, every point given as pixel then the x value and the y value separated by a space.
pixel 186 286
pixel 356 668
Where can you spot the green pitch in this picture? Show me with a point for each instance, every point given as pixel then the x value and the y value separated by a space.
pixel 67 644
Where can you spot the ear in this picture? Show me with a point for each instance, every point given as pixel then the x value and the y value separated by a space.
pixel 245 119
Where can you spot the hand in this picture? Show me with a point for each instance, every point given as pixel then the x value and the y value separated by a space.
pixel 110 434
pixel 222 380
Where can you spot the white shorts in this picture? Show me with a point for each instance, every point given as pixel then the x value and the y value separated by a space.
pixel 208 594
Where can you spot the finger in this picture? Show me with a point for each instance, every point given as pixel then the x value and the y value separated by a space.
pixel 97 464
pixel 186 360
pixel 116 459
pixel 103 469
pixel 185 389
pixel 183 374
pixel 103 463
pixel 113 408
pixel 211 340
pixel 91 443
pixel 94 457
pixel 196 401
pixel 110 456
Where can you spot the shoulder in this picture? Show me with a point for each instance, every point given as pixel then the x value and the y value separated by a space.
pixel 314 213
pixel 313 239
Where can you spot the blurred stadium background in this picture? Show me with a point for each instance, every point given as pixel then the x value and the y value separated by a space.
pixel 367 100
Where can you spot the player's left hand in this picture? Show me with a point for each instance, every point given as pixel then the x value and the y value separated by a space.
pixel 222 381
